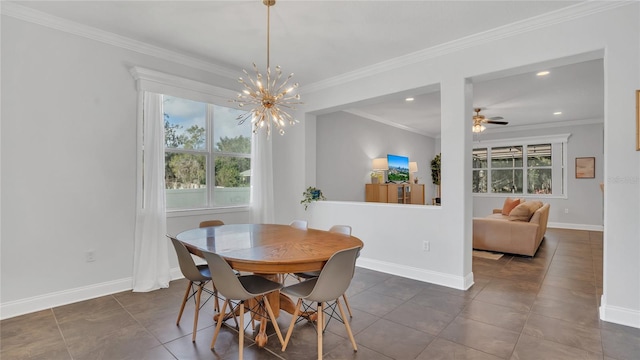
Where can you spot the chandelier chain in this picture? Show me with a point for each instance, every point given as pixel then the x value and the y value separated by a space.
pixel 268 32
pixel 269 100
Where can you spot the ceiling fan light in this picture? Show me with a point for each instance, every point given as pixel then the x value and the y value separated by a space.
pixel 478 128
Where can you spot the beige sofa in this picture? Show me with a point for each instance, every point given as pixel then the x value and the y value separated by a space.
pixel 501 233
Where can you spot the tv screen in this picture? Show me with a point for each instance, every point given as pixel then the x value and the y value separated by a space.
pixel 398 168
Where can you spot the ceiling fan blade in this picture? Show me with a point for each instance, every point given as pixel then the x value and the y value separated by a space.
pixel 497 122
pixel 495 118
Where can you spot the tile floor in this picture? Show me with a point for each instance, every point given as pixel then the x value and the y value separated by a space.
pixel 544 307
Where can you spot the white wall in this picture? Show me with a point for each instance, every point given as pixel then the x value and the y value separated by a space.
pixel 69 109
pixel 614 31
pixel 347 143
pixel 584 199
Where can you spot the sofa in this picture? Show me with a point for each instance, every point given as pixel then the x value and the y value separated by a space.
pixel 515 229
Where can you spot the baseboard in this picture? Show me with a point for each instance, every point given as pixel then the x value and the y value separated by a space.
pixel 24 306
pixel 434 277
pixel 47 301
pixel 569 226
pixel 619 315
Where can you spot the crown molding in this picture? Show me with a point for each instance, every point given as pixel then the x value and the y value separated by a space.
pixel 368 116
pixel 41 18
pixel 565 14
pixel 546 125
pixel 508 129
pixel 528 140
pixel 544 20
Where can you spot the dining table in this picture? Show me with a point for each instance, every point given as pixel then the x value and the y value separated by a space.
pixel 269 250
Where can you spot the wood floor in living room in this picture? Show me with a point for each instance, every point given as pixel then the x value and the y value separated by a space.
pixel 544 307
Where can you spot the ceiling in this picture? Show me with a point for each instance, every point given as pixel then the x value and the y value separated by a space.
pixel 525 99
pixel 320 40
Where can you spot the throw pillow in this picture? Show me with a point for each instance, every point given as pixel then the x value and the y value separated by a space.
pixel 534 206
pixel 509 204
pixel 521 212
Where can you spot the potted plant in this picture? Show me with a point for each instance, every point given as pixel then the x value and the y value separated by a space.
pixel 310 195
pixel 435 175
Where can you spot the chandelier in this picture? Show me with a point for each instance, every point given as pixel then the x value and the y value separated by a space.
pixel 268 96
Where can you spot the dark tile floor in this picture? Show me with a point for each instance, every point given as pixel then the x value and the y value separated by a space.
pixel 544 307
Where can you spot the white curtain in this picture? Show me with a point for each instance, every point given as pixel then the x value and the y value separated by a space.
pixel 262 180
pixel 151 258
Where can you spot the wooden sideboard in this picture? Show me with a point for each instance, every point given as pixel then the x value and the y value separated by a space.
pixel 395 193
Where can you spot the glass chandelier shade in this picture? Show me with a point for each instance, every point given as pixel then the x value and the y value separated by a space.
pixel 270 96
pixel 478 128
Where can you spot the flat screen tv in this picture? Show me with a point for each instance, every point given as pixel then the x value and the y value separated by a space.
pixel 398 168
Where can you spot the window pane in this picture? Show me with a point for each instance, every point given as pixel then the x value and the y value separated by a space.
pixel 233 180
pixel 184 123
pixel 185 180
pixel 506 157
pixel 539 181
pixel 479 181
pixel 506 181
pixel 479 158
pixel 228 136
pixel 539 155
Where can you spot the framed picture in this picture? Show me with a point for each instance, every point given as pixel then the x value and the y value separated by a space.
pixel 585 168
pixel 637 120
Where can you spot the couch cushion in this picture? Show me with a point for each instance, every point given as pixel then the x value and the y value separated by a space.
pixel 509 204
pixel 520 213
pixel 524 211
pixel 498 216
pixel 534 205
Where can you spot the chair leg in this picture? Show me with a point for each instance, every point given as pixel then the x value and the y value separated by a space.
pixel 346 325
pixel 197 313
pixel 346 302
pixel 241 331
pixel 293 322
pixel 220 321
pixel 273 319
pixel 320 328
pixel 184 302
pixel 216 303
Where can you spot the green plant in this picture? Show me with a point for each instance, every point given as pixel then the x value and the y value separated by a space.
pixel 435 170
pixel 310 195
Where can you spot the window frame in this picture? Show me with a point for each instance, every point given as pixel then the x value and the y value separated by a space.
pixel 559 155
pixel 172 85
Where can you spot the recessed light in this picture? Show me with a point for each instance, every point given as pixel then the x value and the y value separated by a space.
pixel 409 99
pixel 542 73
pixel 557 113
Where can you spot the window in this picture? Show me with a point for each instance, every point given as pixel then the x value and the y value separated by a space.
pixel 506 169
pixel 480 169
pixel 539 169
pixel 207 155
pixel 530 166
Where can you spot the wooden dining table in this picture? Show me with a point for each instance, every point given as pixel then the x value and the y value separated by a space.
pixel 269 250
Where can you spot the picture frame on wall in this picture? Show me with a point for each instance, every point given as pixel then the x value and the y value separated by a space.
pixel 585 167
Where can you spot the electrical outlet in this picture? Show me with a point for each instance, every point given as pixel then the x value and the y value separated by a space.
pixel 90 256
pixel 426 246
pixel 566 210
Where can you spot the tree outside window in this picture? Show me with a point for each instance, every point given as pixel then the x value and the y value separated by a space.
pixel 518 169
pixel 192 161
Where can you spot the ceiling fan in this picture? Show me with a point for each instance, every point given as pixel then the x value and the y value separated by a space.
pixel 478 120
